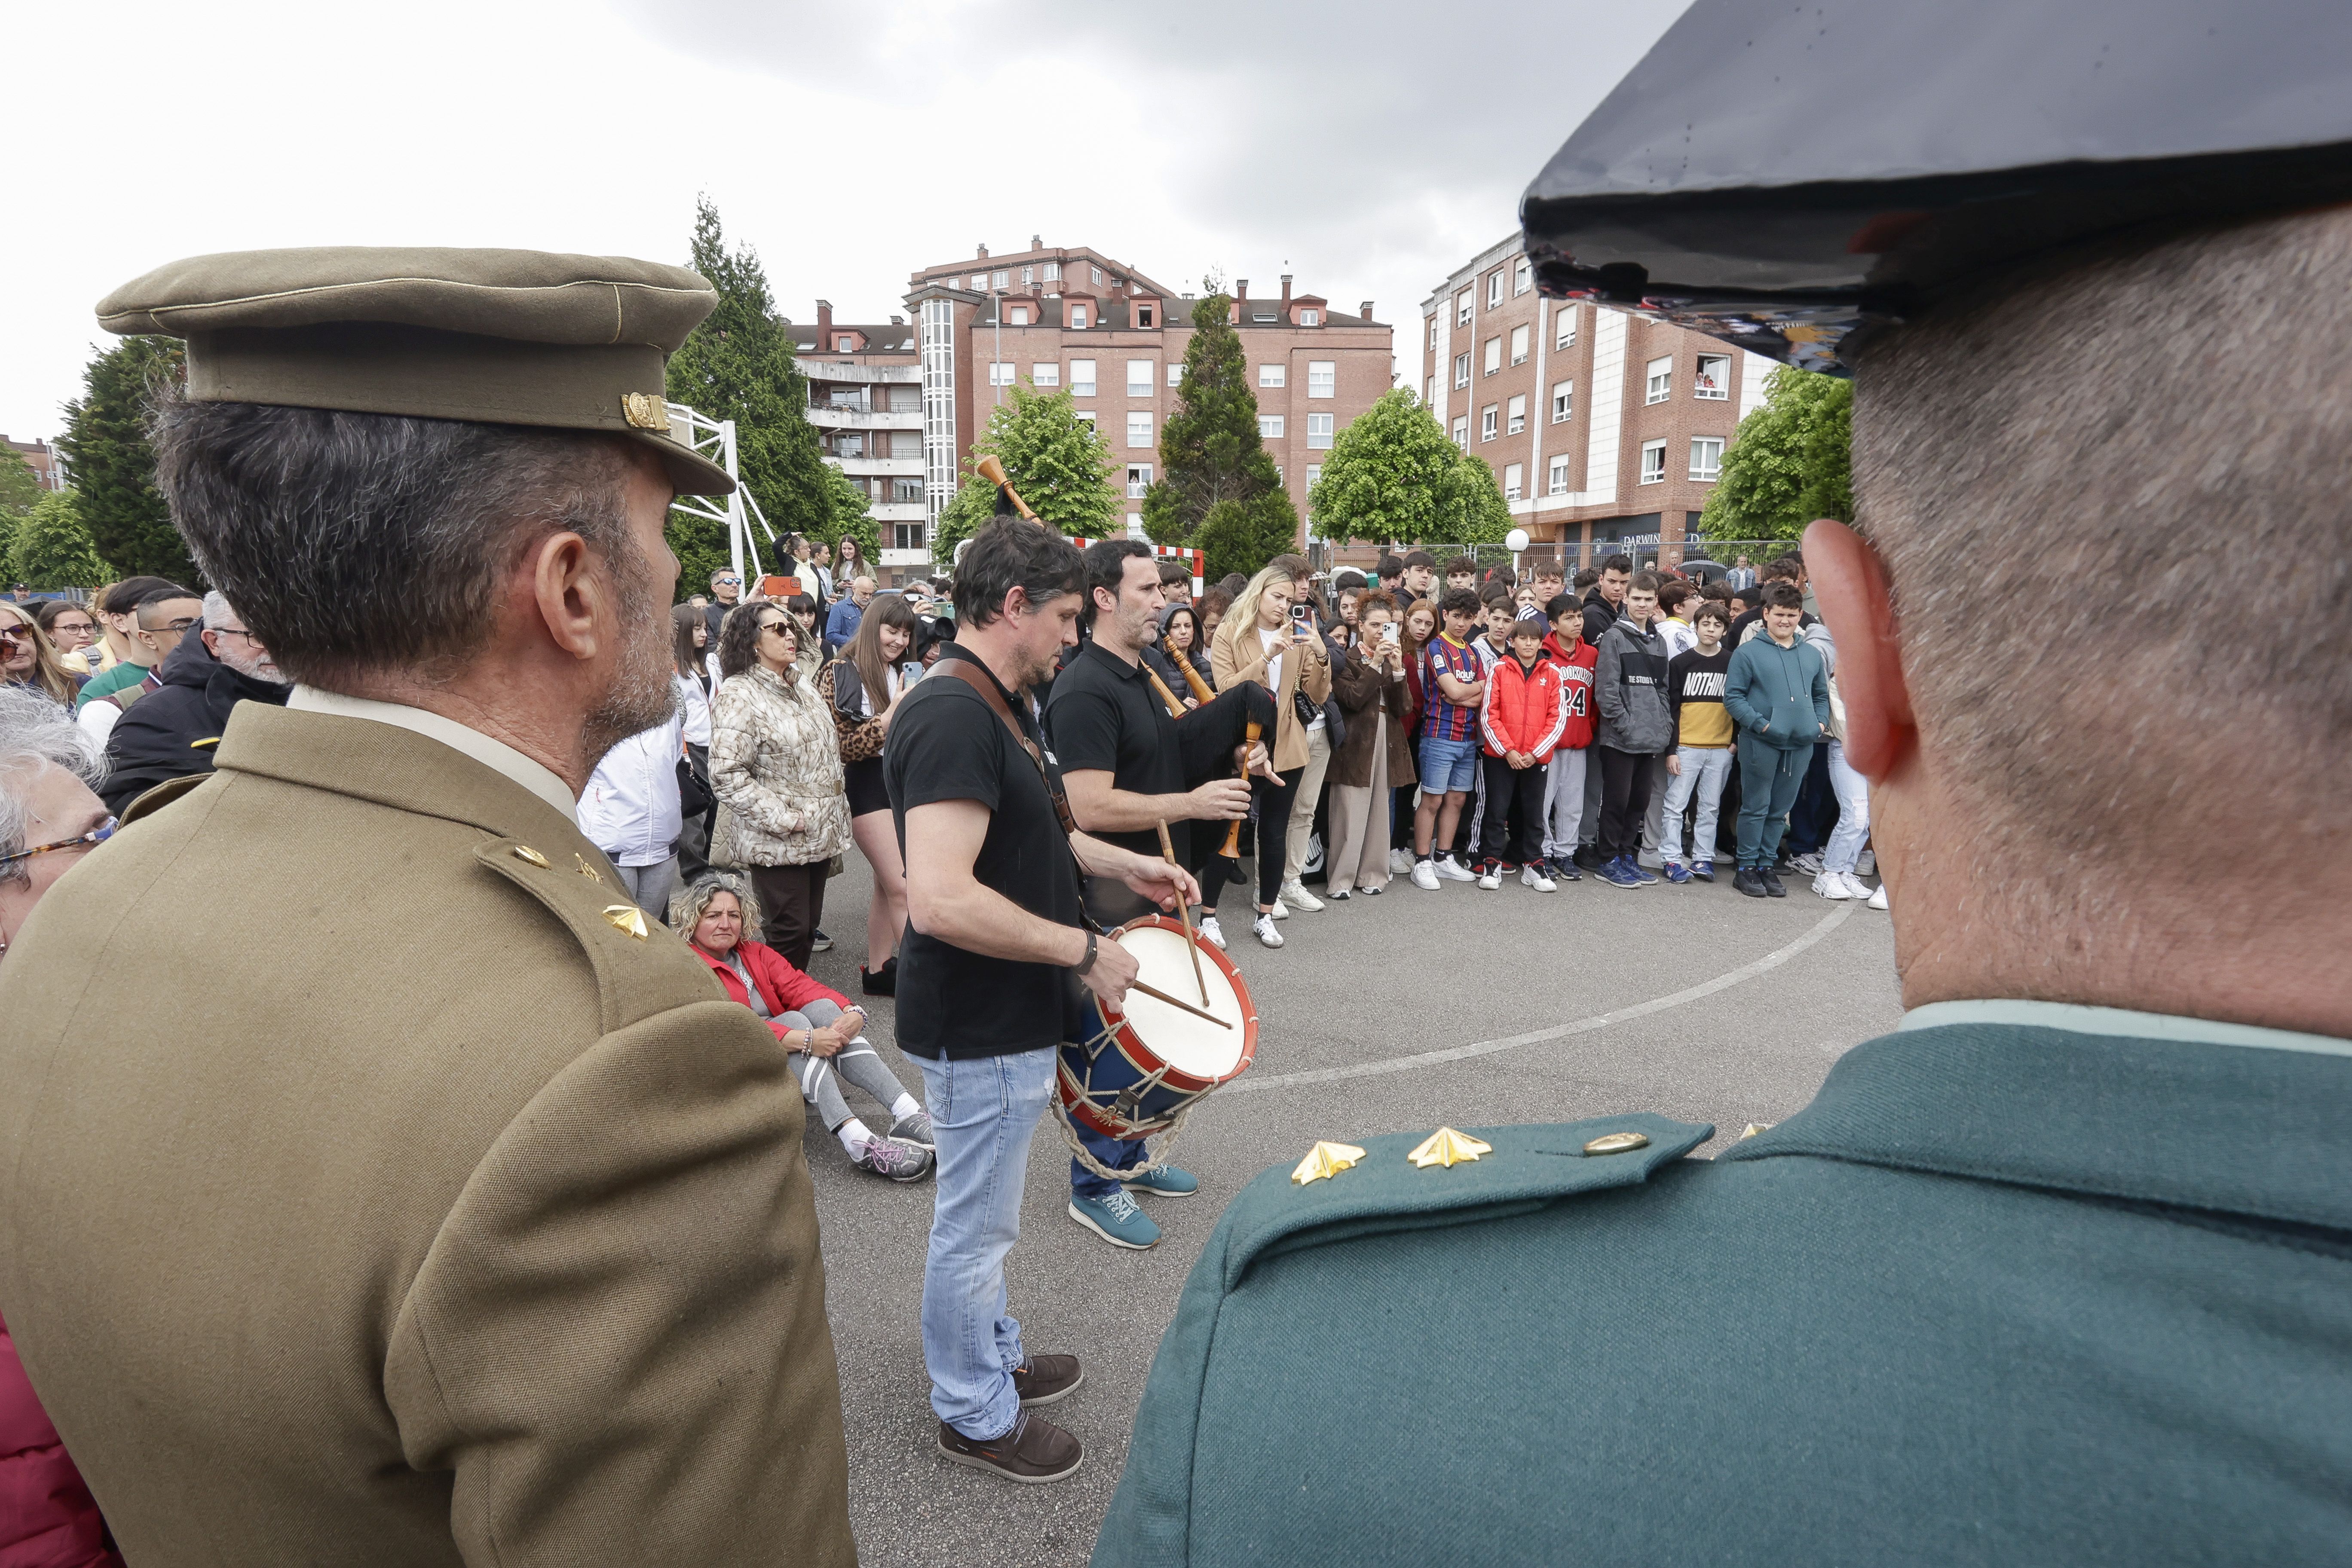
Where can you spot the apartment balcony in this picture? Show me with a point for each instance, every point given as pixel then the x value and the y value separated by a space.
pixel 827 370
pixel 879 468
pixel 845 416
pixel 898 512
pixel 906 558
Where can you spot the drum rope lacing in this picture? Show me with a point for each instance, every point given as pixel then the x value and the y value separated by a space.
pixel 1093 1046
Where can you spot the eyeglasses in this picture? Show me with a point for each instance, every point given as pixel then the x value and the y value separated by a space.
pixel 237 632
pixel 77 628
pixel 180 626
pixel 98 834
pixel 13 638
pixel 727 582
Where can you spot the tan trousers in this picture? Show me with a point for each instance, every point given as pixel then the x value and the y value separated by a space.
pixel 1357 854
pixel 1302 808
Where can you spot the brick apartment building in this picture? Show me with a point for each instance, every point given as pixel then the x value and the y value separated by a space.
pixel 1603 429
pixel 42 459
pixel 866 398
pixel 1073 319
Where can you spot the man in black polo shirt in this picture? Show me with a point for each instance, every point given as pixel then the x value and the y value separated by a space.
pixel 986 992
pixel 1131 766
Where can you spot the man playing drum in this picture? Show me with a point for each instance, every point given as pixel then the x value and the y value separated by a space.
pixel 1131 770
pixel 996 932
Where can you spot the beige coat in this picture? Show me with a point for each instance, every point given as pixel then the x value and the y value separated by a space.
pixel 775 765
pixel 1236 654
pixel 368 1197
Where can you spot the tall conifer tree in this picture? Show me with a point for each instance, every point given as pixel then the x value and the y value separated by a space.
pixel 113 467
pixel 1220 491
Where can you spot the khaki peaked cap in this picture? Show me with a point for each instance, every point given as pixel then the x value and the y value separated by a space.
pixel 501 337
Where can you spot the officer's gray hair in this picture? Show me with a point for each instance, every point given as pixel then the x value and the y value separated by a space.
pixel 218 612
pixel 34 732
pixel 2157 429
pixel 363 542
pixel 690 903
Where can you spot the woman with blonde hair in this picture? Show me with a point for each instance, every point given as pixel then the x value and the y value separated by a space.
pixel 775 765
pixel 862 686
pixel 1260 640
pixel 29 659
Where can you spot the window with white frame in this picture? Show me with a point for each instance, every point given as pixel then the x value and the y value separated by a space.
pixel 1000 373
pixel 1514 480
pixel 1077 316
pixel 1523 275
pixel 1493 355
pixel 1271 374
pixel 1429 397
pixel 1563 401
pixel 1557 484
pixel 1138 377
pixel 1653 462
pixel 1310 317
pixel 1138 479
pixel 1432 334
pixel 1082 378
pixel 1053 272
pixel 1488 417
pixel 1564 328
pixel 1322 378
pixel 1462 370
pixel 906 493
pixel 1706 457
pixel 1098 272
pixel 1515 415
pixel 1662 379
pixel 1314 474
pixel 1086 418
pixel 1318 431
pixel 1138 430
pixel 1462 432
pixel 845 345
pixel 1519 345
pixel 1028 278
pixel 1175 372
pixel 1269 427
pixel 1001 280
pixel 1044 375
pixel 1018 316
pixel 1494 290
pixel 849 444
pixel 1714 378
pixel 1462 303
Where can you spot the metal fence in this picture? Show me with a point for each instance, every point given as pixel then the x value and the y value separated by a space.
pixel 1705 558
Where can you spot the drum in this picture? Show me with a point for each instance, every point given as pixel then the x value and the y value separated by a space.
pixel 1143 1066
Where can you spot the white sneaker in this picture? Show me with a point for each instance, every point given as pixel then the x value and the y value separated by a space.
pixel 1263 928
pixel 1452 870
pixel 1533 876
pixel 1281 910
pixel 1855 888
pixel 1865 864
pixel 1830 885
pixel 1878 899
pixel 1400 862
pixel 1296 895
pixel 1491 877
pixel 1212 932
pixel 1425 876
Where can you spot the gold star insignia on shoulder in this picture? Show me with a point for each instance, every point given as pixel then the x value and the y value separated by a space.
pixel 589 871
pixel 1752 1129
pixel 530 857
pixel 626 917
pixel 1326 1159
pixel 1447 1147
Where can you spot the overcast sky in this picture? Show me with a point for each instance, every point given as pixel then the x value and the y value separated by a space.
pixel 1367 149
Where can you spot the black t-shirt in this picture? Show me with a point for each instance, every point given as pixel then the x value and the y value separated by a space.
pixel 1105 718
pixel 946 743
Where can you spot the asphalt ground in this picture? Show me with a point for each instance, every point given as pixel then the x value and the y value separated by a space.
pixel 1399 1013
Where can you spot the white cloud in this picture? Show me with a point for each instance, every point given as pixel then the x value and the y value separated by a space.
pixel 1365 149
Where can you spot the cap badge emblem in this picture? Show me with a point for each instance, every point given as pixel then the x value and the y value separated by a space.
pixel 589 871
pixel 530 857
pixel 646 411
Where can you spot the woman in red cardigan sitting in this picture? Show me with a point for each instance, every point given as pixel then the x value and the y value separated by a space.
pixel 823 1029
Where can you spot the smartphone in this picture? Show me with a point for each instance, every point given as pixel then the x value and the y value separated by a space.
pixel 1300 617
pixel 1389 634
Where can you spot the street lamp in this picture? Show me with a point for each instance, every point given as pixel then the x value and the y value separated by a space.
pixel 1516 540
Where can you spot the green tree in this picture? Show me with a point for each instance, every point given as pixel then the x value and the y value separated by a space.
pixel 739 364
pixel 50 546
pixel 1394 477
pixel 105 442
pixel 20 491
pixel 1215 467
pixel 1054 461
pixel 852 514
pixel 1789 462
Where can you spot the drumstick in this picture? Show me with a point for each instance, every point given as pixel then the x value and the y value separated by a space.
pixel 1159 996
pixel 1185 913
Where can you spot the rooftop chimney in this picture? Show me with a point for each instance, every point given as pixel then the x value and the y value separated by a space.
pixel 824 317
pixel 901 320
pixel 983 253
pixel 1036 242
pixel 1241 290
pixel 1366 310
pixel 1286 293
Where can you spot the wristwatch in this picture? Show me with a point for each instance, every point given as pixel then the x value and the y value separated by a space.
pixel 1088 960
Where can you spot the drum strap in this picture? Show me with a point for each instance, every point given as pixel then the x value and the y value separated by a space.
pixel 982 681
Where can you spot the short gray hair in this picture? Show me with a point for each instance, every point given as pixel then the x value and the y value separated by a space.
pixel 217 611
pixel 34 732
pixel 357 542
pixel 688 905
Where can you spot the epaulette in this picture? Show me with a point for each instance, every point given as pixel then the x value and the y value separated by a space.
pixel 642 966
pixel 153 800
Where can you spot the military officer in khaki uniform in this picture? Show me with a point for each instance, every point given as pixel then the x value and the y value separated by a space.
pixel 376 1186
pixel 2060 1271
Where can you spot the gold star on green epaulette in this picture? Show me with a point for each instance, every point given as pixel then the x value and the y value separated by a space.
pixel 1449 1147
pixel 1325 1160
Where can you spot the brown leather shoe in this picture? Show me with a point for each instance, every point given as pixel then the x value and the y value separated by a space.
pixel 1035 1450
pixel 1043 1379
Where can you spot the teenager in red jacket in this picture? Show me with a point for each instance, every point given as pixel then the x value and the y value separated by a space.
pixel 1563 804
pixel 1520 724
pixel 823 1030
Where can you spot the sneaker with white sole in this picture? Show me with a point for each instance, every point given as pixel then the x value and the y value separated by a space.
pixel 1809 863
pixel 1829 885
pixel 1281 910
pixel 1490 876
pixel 1532 875
pixel 1118 1219
pixel 1212 932
pixel 1452 870
pixel 1400 862
pixel 1865 862
pixel 1425 876
pixel 1296 895
pixel 1263 929
pixel 1855 888
pixel 898 1162
pixel 1878 899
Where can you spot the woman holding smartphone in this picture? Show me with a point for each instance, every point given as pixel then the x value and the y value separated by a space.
pixel 1262 640
pixel 1375 756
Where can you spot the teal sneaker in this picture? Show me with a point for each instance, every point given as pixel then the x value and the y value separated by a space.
pixel 1117 1220
pixel 1166 1182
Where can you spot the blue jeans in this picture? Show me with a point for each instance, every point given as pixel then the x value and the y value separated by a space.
pixel 1448 766
pixel 984 1112
pixel 1705 769
pixel 1844 851
pixel 1115 1153
pixel 1769 781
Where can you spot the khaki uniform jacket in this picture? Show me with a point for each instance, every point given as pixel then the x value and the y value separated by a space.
pixel 367 1196
pixel 1236 654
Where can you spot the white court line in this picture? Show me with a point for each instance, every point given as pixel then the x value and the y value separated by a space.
pixel 1773 960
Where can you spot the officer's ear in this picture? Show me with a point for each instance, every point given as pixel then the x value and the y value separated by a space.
pixel 1850 585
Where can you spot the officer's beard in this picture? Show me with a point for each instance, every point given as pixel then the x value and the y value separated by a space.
pixel 641 695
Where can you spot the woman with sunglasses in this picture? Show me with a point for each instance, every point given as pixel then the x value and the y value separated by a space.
pixel 775 765
pixel 28 659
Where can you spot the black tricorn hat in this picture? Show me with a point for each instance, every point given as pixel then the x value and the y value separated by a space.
pixel 1779 175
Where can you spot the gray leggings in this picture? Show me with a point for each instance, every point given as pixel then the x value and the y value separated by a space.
pixel 857 1061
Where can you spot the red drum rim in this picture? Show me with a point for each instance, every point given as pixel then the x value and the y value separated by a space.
pixel 1137 1050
